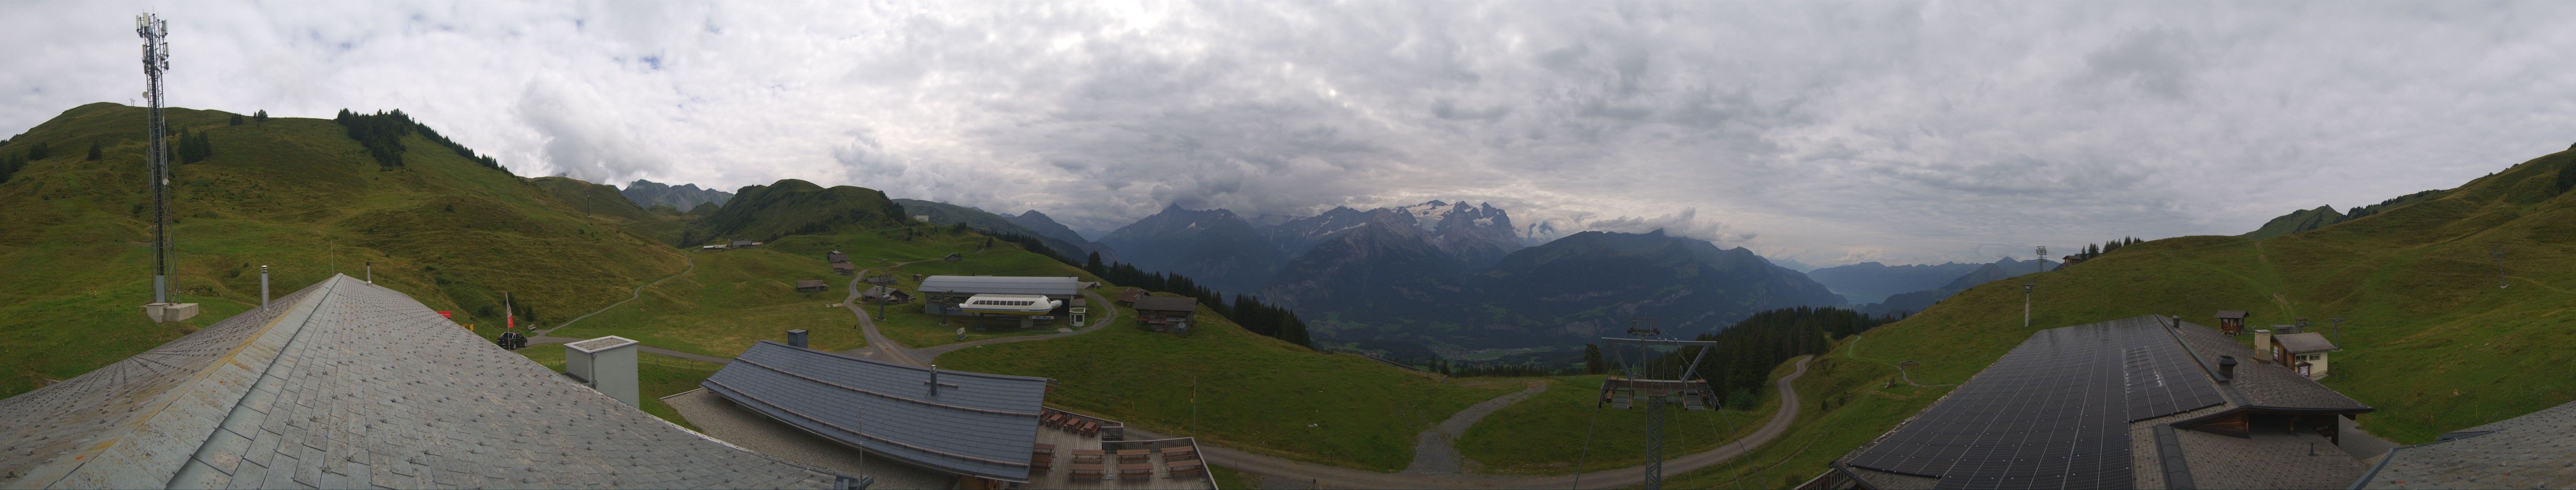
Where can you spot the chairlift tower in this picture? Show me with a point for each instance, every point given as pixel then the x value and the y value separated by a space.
pixel 1622 392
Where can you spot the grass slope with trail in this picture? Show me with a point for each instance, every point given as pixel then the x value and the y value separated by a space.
pixel 297 194
pixel 2431 340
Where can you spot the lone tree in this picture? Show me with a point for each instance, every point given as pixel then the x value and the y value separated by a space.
pixel 93 150
pixel 261 116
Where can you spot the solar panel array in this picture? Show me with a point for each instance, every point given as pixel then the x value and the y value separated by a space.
pixel 2053 413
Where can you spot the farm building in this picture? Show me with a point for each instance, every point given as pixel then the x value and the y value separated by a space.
pixel 2140 402
pixel 1129 296
pixel 744 244
pixel 987 430
pixel 845 268
pixel 811 286
pixel 352 385
pixel 2304 352
pixel 1166 313
pixel 837 257
pixel 885 294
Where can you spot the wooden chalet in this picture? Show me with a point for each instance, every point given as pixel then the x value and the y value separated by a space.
pixel 1129 296
pixel 837 257
pixel 1166 313
pixel 845 268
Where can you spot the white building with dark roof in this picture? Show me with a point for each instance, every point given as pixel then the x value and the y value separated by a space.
pixel 351 385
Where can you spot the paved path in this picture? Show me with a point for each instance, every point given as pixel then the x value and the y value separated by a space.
pixel 645 348
pixel 638 293
pixel 1435 452
pixel 1339 477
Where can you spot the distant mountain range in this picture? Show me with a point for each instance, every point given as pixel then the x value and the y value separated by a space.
pixel 1871 282
pixel 1908 303
pixel 683 197
pixel 1047 231
pixel 1214 247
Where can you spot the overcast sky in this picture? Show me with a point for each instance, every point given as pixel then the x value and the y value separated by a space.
pixel 1827 133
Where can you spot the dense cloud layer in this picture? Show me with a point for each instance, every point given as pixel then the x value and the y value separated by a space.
pixel 1827 132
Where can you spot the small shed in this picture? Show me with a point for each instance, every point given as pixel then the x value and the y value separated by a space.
pixel 1129 296
pixel 2231 322
pixel 881 280
pixel 811 286
pixel 953 258
pixel 1166 313
pixel 2304 352
pixel 845 268
pixel 837 257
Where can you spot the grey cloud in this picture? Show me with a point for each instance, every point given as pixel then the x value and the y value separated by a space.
pixel 1823 132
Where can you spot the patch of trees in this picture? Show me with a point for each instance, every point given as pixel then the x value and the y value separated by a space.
pixel 236 120
pixel 194 147
pixel 1247 311
pixel 261 116
pixel 381 133
pixel 9 164
pixel 93 151
pixel 2096 250
pixel 1740 365
pixel 2566 177
pixel 1472 370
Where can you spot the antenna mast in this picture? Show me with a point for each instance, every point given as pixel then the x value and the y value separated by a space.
pixel 156 59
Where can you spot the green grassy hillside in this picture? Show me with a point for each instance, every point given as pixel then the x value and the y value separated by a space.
pixel 293 193
pixel 2431 340
pixel 1251 392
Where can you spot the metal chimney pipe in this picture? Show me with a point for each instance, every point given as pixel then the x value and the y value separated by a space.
pixel 934 379
pixel 371 273
pixel 263 288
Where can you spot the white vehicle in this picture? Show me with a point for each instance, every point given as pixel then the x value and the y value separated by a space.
pixel 1009 304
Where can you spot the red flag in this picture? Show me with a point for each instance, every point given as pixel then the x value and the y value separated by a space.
pixel 447 315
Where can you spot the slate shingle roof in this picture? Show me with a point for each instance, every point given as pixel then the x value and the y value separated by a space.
pixel 1056 287
pixel 1166 303
pixel 2537 450
pixel 351 385
pixel 972 424
pixel 2304 342
pixel 2263 384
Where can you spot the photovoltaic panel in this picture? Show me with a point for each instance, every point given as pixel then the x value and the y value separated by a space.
pixel 2052 413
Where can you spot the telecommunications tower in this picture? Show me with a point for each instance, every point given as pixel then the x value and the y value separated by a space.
pixel 156 59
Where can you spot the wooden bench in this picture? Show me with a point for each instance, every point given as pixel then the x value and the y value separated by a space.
pixel 1087 456
pixel 1132 456
pixel 1193 467
pixel 1135 470
pixel 1090 470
